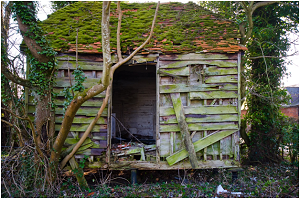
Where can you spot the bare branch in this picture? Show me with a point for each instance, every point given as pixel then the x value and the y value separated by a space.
pixel 142 46
pixel 262 3
pixel 259 57
pixel 32 129
pixel 118 32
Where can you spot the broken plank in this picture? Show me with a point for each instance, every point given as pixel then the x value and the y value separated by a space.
pixel 213 95
pixel 185 134
pixel 204 110
pixel 199 145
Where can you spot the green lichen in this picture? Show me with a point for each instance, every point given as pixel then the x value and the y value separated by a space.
pixel 178 23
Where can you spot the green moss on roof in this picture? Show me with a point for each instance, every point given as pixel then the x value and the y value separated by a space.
pixel 179 28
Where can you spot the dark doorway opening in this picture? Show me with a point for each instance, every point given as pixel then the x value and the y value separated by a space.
pixel 134 104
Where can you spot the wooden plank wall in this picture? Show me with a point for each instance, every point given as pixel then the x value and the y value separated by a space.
pixel 98 136
pixel 208 87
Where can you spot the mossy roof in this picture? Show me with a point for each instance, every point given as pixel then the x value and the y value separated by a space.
pixel 180 28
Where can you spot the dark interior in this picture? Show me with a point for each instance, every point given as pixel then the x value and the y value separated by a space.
pixel 134 104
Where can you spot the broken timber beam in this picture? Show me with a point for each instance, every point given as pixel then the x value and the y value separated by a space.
pixel 199 145
pixel 185 134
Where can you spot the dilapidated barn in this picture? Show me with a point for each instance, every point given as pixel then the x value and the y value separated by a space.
pixel 183 84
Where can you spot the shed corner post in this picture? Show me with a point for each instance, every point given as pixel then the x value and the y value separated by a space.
pixel 157 113
pixel 109 131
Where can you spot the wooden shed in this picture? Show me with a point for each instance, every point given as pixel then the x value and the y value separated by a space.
pixel 183 85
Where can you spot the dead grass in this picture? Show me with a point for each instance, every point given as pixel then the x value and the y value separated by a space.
pixel 254 182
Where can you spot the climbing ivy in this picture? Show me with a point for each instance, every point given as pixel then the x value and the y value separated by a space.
pixel 40 73
pixel 78 86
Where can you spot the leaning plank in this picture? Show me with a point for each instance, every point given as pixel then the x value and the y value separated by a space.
pixel 185 134
pixel 213 95
pixel 199 145
pixel 73 142
pixel 204 110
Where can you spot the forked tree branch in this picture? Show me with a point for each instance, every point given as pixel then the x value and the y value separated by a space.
pixel 92 124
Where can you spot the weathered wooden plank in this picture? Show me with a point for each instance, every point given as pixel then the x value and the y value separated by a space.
pixel 168 119
pixel 87 111
pixel 197 56
pixel 221 79
pixel 65 82
pixel 199 127
pixel 194 118
pixel 145 165
pixel 185 134
pixel 92 103
pixel 58 91
pixel 144 59
pixel 85 65
pixel 183 88
pixel 81 120
pixel 92 151
pixel 157 133
pixel 82 127
pixel 211 118
pixel 164 144
pixel 204 110
pixel 178 64
pixel 212 70
pixel 199 145
pixel 71 141
pixel 213 95
pixel 183 71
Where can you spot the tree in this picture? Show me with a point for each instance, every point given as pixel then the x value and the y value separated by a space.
pixel 42 65
pixel 263 28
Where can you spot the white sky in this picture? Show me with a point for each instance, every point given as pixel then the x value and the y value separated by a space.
pixel 293 70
